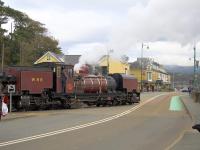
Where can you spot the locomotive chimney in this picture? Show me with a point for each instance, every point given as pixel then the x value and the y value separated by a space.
pixel 83 70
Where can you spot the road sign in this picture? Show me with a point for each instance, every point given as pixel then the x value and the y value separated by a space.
pixel 11 88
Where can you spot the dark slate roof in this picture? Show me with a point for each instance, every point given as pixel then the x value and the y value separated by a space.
pixel 72 59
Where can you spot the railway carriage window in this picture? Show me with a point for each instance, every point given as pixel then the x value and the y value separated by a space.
pixel 64 73
pixel 58 71
pixel 70 73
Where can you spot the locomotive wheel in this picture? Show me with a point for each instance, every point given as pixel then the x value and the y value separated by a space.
pixel 44 107
pixel 98 105
pixel 115 102
pixel 130 102
pixel 123 102
pixel 66 105
pixel 110 103
pixel 26 108
pixel 99 102
pixel 135 99
pixel 19 105
pixel 104 104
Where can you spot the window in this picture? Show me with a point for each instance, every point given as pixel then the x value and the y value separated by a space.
pixel 149 67
pixel 48 57
pixel 70 73
pixel 149 76
pixel 159 76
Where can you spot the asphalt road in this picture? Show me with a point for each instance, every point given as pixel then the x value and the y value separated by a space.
pixel 147 126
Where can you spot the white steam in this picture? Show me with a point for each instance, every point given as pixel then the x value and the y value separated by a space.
pixel 91 56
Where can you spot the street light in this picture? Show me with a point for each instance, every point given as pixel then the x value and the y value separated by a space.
pixel 196 65
pixel 141 61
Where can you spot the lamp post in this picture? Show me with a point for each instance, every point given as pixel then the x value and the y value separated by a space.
pixel 196 66
pixel 141 65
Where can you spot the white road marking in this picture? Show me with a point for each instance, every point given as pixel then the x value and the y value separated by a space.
pixel 78 126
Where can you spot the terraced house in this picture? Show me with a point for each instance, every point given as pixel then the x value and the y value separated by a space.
pixel 152 74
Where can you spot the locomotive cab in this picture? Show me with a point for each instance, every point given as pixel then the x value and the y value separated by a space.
pixel 62 77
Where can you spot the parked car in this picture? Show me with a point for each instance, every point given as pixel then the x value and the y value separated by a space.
pixel 185 89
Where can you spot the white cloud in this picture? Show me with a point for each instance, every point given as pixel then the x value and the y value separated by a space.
pixel 160 20
pixel 72 26
pixel 170 27
pixel 171 53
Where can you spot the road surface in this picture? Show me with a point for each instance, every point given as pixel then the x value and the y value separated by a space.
pixel 148 125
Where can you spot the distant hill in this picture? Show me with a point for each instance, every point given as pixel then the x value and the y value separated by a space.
pixel 179 69
pixel 182 75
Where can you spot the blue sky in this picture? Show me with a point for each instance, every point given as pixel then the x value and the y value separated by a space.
pixel 92 27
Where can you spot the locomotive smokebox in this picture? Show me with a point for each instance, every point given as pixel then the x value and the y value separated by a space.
pixel 81 70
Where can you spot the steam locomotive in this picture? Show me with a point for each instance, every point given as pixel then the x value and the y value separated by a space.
pixel 56 84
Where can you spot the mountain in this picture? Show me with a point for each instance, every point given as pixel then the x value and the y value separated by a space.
pixel 179 69
pixel 181 75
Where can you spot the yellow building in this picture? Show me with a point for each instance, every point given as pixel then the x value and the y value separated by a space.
pixel 50 57
pixel 113 65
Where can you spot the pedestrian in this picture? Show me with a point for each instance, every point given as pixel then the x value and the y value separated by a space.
pixel 3 105
pixel 189 90
pixel 5 99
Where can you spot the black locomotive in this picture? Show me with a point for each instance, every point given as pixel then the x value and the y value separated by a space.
pixel 51 84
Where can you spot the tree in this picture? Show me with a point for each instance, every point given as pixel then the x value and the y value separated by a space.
pixel 28 41
pixel 124 59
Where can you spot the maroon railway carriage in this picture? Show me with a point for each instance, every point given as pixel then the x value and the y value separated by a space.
pixel 41 86
pixel 30 79
pixel 55 84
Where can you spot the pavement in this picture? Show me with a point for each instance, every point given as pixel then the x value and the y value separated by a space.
pixel 189 140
